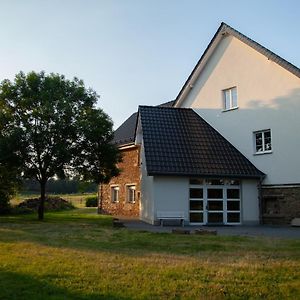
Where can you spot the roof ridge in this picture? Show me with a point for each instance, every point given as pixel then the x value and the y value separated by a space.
pixel 225 28
pixel 165 107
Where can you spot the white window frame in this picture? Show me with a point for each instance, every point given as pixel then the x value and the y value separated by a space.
pixel 115 197
pixel 264 151
pixel 129 188
pixel 231 104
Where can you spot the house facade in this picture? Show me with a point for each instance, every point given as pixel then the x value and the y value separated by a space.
pixel 252 97
pixel 227 152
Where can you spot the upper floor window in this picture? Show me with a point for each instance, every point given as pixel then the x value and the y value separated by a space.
pixel 115 194
pixel 263 143
pixel 230 98
pixel 131 193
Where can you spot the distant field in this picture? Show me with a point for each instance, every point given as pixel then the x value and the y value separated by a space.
pixel 78 255
pixel 78 200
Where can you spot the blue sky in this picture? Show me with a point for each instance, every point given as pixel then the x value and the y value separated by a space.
pixel 134 51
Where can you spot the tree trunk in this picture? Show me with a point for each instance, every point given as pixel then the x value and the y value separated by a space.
pixel 42 200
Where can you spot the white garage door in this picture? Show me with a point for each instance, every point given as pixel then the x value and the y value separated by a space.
pixel 214 201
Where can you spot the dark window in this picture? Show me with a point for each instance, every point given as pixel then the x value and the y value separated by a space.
pixel 196 217
pixel 196 205
pixel 196 193
pixel 215 205
pixel 233 194
pixel 233 217
pixel 215 218
pixel 233 205
pixel 215 193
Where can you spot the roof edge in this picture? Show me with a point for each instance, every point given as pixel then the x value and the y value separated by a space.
pixel 226 29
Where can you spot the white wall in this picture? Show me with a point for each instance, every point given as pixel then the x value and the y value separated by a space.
pixel 147 202
pixel 171 194
pixel 250 202
pixel 268 98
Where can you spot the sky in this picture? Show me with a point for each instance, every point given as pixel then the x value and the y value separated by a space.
pixel 134 52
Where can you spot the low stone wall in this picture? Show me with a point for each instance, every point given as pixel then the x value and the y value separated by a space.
pixel 280 204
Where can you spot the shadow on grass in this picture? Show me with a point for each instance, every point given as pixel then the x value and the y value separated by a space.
pixel 83 229
pixel 29 287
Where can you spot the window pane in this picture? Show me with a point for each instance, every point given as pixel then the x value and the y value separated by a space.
pixel 215 218
pixel 196 181
pixel 258 142
pixel 196 217
pixel 233 194
pixel 196 205
pixel 215 205
pixel 234 97
pixel 196 193
pixel 215 193
pixel 267 137
pixel 227 99
pixel 233 217
pixel 233 205
pixel 234 182
pixel 215 181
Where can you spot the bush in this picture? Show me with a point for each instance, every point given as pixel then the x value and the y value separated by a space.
pixel 91 202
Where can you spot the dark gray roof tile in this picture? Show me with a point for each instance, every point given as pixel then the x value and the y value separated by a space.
pixel 178 141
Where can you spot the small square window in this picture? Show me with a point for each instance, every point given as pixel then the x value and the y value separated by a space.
pixel 131 193
pixel 262 140
pixel 230 98
pixel 115 194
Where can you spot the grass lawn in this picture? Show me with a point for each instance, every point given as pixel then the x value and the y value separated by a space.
pixel 78 200
pixel 78 255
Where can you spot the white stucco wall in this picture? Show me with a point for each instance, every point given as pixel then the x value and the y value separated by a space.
pixel 171 194
pixel 268 98
pixel 250 202
pixel 147 201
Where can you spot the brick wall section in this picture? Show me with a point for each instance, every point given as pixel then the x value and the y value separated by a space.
pixel 130 174
pixel 280 204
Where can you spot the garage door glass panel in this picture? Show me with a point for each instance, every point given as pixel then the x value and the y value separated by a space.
pixel 233 217
pixel 233 205
pixel 215 218
pixel 233 194
pixel 196 205
pixel 196 193
pixel 196 217
pixel 215 205
pixel 215 193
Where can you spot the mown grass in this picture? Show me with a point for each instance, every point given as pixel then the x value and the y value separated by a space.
pixel 78 255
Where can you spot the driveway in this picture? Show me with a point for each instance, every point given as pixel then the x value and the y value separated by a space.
pixel 260 230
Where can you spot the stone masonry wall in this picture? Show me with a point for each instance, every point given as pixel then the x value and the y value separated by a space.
pixel 280 204
pixel 130 174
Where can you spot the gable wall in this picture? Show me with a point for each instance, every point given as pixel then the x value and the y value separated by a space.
pixel 268 98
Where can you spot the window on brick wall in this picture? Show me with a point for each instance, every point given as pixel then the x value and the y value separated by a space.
pixel 131 193
pixel 114 192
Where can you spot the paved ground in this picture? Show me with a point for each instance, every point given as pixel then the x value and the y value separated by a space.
pixel 261 230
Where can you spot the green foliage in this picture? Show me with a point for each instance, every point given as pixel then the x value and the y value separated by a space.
pixel 91 202
pixel 9 171
pixel 56 129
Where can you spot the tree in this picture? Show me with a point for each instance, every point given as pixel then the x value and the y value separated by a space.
pixel 47 113
pixel 10 179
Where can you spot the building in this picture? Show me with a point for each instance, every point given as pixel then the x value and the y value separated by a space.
pixel 243 98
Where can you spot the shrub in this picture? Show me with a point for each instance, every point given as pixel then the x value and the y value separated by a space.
pixel 91 201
